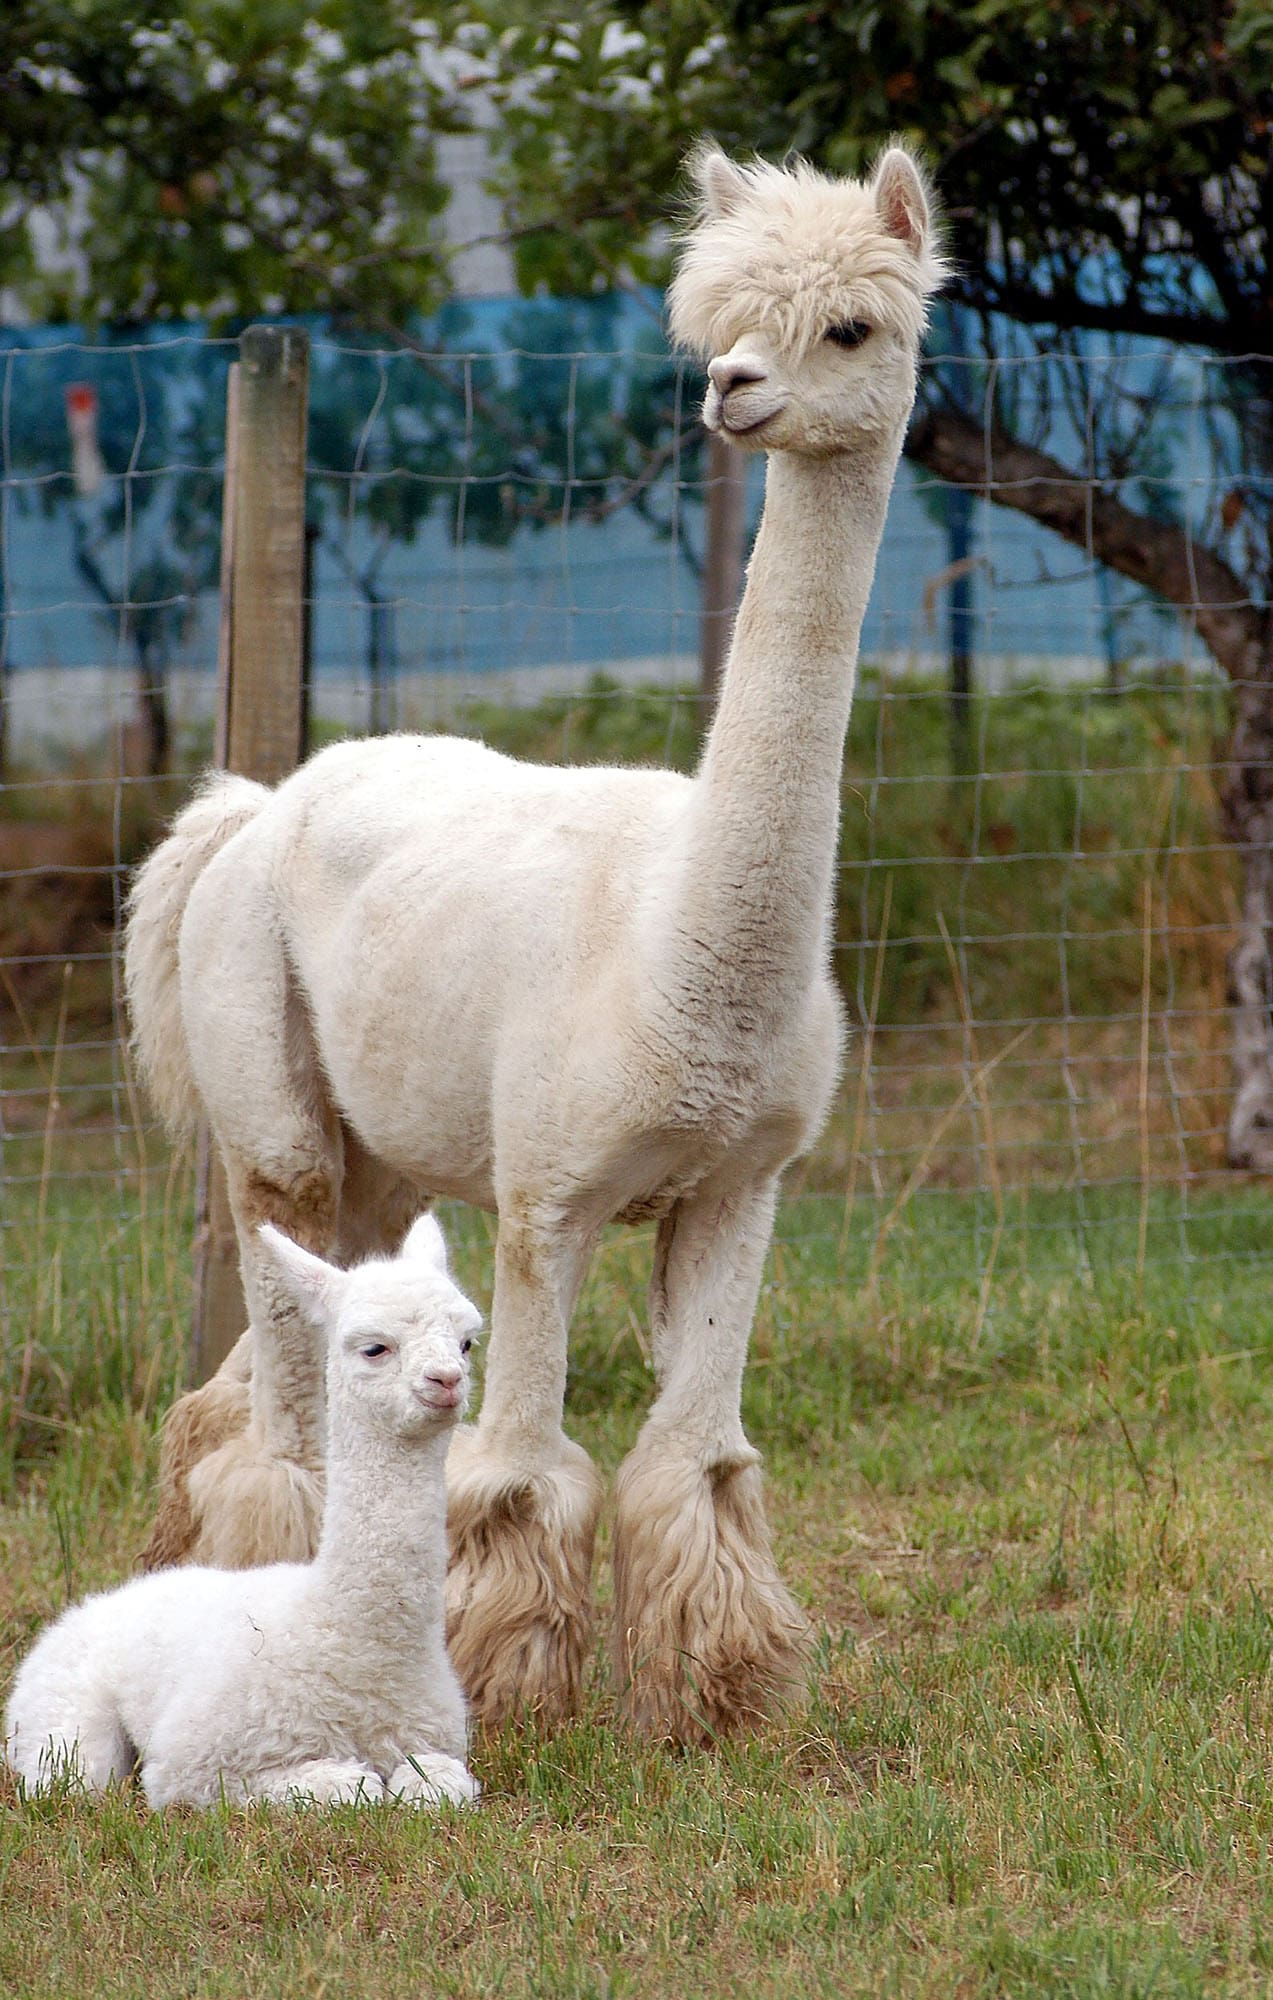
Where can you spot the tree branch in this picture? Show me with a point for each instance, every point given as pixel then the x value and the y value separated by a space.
pixel 1245 334
pixel 1157 554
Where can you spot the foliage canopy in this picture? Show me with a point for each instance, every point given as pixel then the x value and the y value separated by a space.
pixel 1101 167
pixel 211 157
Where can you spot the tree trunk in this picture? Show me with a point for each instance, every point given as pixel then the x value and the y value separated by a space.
pixel 5 672
pixel 145 748
pixel 1246 803
pixel 1167 560
pixel 380 661
pixel 152 692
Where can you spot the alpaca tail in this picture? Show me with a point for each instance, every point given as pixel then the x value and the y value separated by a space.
pixel 156 905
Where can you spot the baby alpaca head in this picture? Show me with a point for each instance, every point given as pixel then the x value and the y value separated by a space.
pixel 399 1330
pixel 807 297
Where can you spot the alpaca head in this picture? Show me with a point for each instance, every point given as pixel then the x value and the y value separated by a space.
pixel 398 1330
pixel 807 297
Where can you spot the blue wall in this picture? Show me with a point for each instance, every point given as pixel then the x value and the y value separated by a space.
pixel 440 466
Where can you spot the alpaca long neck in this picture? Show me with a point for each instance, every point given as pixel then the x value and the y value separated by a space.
pixel 381 1562
pixel 760 858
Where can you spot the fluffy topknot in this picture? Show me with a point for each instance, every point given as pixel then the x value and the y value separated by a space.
pixel 788 251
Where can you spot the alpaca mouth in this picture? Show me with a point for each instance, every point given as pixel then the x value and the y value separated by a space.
pixel 739 423
pixel 439 1398
pixel 757 423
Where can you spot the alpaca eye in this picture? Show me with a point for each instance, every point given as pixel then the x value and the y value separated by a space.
pixel 373 1350
pixel 849 333
pixel 466 1346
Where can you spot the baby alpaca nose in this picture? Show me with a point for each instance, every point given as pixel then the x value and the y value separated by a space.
pixel 729 371
pixel 447 1374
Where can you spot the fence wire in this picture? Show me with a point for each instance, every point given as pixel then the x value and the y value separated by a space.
pixel 508 528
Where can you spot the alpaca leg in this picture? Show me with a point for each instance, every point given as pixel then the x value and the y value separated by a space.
pixel 258 1497
pixel 431 1779
pixel 377 1206
pixel 244 1454
pixel 197 1425
pixel 522 1499
pixel 707 1637
pixel 253 1494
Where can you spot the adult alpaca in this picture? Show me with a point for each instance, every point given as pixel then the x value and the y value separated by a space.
pixel 326 1681
pixel 575 995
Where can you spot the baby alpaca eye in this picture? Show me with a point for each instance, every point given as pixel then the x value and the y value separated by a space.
pixel 373 1350
pixel 466 1346
pixel 849 332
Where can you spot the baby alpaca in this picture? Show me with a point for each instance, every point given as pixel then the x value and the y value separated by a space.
pixel 328 1681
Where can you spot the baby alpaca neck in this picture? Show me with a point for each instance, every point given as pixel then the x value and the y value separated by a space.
pixel 381 1562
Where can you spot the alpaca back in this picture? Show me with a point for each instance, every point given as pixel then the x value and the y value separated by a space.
pixel 156 906
pixel 101 1679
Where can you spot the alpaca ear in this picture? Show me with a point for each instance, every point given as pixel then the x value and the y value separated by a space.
pixel 424 1243
pixel 721 185
pixel 314 1287
pixel 901 200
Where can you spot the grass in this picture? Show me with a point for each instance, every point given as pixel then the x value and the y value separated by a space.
pixel 1035 1532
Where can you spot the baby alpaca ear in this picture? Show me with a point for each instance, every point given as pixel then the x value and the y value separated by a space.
pixel 424 1242
pixel 901 200
pixel 314 1287
pixel 721 185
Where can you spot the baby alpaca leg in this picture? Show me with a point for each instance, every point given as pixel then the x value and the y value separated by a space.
pixel 522 1499
pixel 95 1752
pixel 62 1721
pixel 707 1637
pixel 430 1778
pixel 321 1781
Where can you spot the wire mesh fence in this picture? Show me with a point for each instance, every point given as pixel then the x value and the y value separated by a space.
pixel 507 528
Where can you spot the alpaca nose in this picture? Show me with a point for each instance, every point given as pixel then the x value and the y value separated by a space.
pixel 442 1387
pixel 730 371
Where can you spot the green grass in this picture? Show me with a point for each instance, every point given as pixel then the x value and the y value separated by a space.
pixel 1033 1522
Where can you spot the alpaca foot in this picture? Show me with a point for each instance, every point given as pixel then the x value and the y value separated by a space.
pixel 197 1425
pixel 431 1779
pixel 518 1590
pixel 320 1782
pixel 708 1640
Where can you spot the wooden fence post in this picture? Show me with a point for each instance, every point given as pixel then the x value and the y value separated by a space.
pixel 260 697
pixel 722 566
